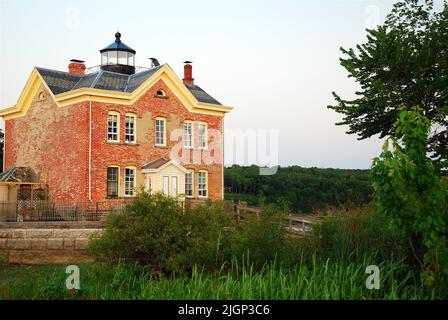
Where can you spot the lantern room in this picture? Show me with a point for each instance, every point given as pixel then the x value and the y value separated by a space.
pixel 118 57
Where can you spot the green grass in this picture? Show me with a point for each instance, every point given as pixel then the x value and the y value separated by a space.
pixel 319 280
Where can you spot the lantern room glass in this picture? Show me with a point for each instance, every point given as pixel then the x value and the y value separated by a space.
pixel 117 57
pixel 104 58
pixel 131 59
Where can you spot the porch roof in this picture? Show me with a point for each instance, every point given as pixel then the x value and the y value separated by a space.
pixel 155 164
pixel 19 175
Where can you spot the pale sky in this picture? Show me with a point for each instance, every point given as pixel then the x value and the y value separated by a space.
pixel 275 61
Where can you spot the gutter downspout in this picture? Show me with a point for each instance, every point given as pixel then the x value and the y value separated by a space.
pixel 90 148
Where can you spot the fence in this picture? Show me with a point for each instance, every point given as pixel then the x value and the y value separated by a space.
pixel 24 210
pixel 41 210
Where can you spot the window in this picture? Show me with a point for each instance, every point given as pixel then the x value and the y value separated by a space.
pixel 112 57
pixel 113 126
pixel 189 184
pixel 166 185
pixel 188 134
pixel 104 58
pixel 174 186
pixel 202 131
pixel 148 184
pixel 160 132
pixel 130 128
pixel 131 59
pixel 129 182
pixel 122 57
pixel 160 93
pixel 202 184
pixel 112 181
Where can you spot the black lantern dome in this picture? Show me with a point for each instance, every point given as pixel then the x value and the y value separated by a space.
pixel 118 57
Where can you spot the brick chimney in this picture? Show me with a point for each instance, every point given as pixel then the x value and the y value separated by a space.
pixel 188 73
pixel 77 67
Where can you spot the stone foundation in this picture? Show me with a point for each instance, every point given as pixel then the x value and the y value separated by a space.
pixel 46 243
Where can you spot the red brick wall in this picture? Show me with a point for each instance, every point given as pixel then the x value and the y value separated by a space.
pixel 147 108
pixel 54 142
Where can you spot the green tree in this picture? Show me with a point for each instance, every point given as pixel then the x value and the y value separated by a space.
pixel 403 62
pixel 413 195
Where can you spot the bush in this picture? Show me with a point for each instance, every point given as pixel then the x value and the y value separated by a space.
pixel 262 241
pixel 411 192
pixel 156 232
pixel 151 231
pixel 209 236
pixel 350 235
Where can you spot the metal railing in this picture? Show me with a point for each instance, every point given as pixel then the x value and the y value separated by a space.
pixel 295 224
pixel 98 68
pixel 23 211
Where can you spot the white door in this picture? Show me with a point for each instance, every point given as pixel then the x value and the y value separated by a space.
pixel 174 186
pixel 166 185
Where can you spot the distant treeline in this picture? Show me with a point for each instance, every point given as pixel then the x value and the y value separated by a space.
pixel 299 189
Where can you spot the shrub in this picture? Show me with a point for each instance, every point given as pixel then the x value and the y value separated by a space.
pixel 262 241
pixel 210 231
pixel 151 231
pixel 411 192
pixel 350 235
pixel 215 240
pixel 156 232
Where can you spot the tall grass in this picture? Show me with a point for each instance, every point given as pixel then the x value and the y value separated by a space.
pixel 327 280
pixel 251 261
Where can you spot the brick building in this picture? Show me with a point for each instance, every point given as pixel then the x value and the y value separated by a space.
pixel 104 134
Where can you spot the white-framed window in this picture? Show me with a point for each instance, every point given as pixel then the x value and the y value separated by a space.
pixel 160 132
pixel 174 186
pixel 202 134
pixel 130 128
pixel 202 184
pixel 113 181
pixel 148 184
pixel 113 126
pixel 166 185
pixel 189 182
pixel 188 134
pixel 129 181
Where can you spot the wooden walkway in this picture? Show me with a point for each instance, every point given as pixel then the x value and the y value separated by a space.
pixel 296 224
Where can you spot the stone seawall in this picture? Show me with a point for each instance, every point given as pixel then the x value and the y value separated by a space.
pixel 46 243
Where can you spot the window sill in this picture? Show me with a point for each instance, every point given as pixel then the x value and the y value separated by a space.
pixel 123 144
pixel 196 198
pixel 160 97
pixel 161 146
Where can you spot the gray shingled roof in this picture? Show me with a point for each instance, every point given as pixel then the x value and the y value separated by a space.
pixel 60 82
pixel 201 95
pixel 155 164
